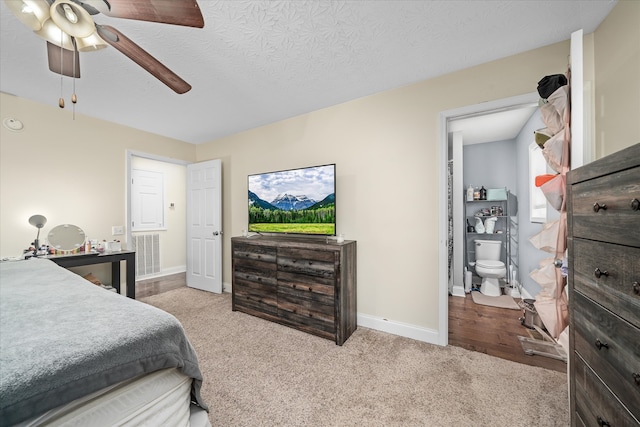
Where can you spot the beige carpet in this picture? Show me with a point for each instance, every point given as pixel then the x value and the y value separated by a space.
pixel 503 301
pixel 258 373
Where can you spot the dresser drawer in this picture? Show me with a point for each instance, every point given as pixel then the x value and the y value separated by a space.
pixel 248 251
pixel 307 300
pixel 308 262
pixel 618 222
pixel 312 312
pixel 618 268
pixel 251 296
pixel 255 278
pixel 301 284
pixel 611 347
pixel 594 402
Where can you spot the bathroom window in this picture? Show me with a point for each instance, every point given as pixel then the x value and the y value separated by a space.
pixel 537 201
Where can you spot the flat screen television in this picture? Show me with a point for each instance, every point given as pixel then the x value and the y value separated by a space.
pixel 294 201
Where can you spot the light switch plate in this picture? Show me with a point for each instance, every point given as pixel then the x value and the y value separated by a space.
pixel 117 230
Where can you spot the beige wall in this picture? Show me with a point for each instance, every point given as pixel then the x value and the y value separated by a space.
pixel 71 171
pixel 385 147
pixel 617 76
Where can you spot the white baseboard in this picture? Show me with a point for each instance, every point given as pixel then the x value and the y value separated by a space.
pixel 164 272
pixel 418 333
pixel 458 291
pixel 226 287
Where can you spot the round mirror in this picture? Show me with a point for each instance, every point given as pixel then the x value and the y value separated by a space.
pixel 66 237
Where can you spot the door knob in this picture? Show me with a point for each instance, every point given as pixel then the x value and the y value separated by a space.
pixel 215 233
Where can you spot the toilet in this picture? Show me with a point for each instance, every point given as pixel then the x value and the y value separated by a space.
pixel 489 266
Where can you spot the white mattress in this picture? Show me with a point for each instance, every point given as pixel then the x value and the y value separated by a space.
pixel 160 398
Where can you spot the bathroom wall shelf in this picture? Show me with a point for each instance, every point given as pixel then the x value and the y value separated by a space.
pixel 504 231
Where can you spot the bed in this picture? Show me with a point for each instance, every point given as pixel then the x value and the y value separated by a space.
pixel 72 352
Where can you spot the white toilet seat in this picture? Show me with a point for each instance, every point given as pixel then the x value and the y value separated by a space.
pixel 489 264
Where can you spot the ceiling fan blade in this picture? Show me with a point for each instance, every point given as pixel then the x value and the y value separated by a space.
pixel 141 57
pixel 176 12
pixel 61 61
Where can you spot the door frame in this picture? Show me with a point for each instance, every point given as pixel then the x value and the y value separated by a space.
pixel 581 154
pixel 129 154
pixel 443 236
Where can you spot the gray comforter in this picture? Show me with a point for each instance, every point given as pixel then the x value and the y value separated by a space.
pixel 62 337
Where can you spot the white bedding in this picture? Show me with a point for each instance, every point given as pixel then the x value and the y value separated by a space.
pixel 162 398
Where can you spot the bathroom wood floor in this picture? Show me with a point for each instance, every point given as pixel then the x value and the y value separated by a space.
pixel 148 287
pixel 493 331
pixel 472 326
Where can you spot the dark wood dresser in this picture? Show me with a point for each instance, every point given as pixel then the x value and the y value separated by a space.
pixel 305 283
pixel 603 221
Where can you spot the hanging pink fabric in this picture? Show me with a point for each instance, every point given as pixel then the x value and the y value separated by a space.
pixel 554 191
pixel 553 151
pixel 547 239
pixel 551 305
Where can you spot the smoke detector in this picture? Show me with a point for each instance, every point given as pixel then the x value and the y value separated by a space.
pixel 13 124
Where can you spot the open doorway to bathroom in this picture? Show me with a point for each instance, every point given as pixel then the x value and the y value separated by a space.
pixel 490 142
pixel 490 146
pixel 581 153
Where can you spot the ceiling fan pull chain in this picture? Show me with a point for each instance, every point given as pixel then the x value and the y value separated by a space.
pixel 74 97
pixel 61 100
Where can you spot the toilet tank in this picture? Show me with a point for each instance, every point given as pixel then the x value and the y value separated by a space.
pixel 488 249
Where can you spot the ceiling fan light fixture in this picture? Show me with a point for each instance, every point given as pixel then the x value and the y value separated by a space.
pixel 31 13
pixel 53 34
pixel 91 43
pixel 72 18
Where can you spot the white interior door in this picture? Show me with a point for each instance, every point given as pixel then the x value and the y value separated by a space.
pixel 147 200
pixel 204 226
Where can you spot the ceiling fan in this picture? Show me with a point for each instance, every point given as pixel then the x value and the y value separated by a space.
pixel 68 28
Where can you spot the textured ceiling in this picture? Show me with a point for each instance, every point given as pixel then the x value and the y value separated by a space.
pixel 494 126
pixel 257 62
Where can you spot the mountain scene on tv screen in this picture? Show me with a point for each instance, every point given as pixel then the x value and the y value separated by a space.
pixel 291 202
pixel 288 202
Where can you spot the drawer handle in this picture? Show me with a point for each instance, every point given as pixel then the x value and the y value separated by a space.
pixel 636 288
pixel 597 206
pixel 599 273
pixel 635 205
pixel 601 344
pixel 636 378
pixel 602 422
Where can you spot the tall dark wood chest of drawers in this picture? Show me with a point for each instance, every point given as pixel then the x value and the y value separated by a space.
pixel 305 283
pixel 603 221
